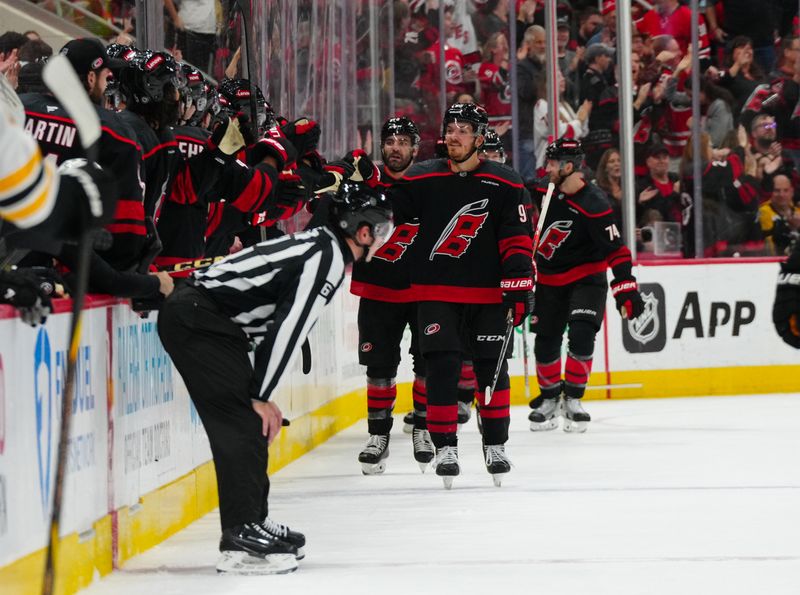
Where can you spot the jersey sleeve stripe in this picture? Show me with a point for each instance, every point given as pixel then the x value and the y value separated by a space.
pixel 587 213
pixel 515 244
pixel 34 204
pixel 15 179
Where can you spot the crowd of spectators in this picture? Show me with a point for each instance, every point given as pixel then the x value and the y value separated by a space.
pixel 748 94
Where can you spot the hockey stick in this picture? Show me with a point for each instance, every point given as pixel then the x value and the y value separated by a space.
pixel 510 316
pixel 62 81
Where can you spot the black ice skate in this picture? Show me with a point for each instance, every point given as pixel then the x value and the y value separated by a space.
pixel 284 533
pixel 575 417
pixel 497 462
pixel 373 457
pixel 446 464
pixel 464 412
pixel 423 448
pixel 545 416
pixel 250 549
pixel 408 422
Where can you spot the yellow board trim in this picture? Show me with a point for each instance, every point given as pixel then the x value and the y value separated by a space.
pixel 172 507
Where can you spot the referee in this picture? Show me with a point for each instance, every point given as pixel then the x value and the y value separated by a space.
pixel 263 299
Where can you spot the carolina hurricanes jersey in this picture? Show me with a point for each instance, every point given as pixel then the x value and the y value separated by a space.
pixel 474 230
pixel 678 24
pixel 580 238
pixel 119 153
pixel 386 277
pixel 160 159
pixel 182 221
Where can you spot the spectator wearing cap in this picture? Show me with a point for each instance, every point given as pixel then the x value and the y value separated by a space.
pixel 568 59
pixel 91 63
pixel 660 189
pixel 780 217
pixel 598 59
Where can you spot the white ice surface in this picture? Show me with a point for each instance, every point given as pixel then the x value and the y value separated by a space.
pixel 667 496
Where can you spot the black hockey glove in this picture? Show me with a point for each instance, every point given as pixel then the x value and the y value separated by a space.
pixel 335 173
pixel 518 298
pixel 280 149
pixel 290 189
pixel 303 134
pixel 365 170
pixel 22 289
pixel 786 311
pixel 629 301
pixel 95 188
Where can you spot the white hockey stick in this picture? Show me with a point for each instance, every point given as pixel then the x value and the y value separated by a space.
pixel 510 318
pixel 62 81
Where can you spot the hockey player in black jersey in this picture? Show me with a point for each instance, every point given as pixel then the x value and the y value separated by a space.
pixel 270 294
pixel 471 269
pixel 579 243
pixel 386 307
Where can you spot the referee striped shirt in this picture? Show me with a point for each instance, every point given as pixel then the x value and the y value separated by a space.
pixel 274 291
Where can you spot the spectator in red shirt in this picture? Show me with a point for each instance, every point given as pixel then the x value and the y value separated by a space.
pixel 494 81
pixel 670 18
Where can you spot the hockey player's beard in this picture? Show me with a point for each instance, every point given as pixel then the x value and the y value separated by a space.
pixel 392 164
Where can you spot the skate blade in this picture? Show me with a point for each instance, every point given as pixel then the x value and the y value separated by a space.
pixel 423 466
pixel 244 564
pixel 373 468
pixel 575 427
pixel 497 478
pixel 448 482
pixel 545 426
pixel 301 553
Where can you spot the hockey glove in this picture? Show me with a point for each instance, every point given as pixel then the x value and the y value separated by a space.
pixel 365 170
pixel 629 301
pixel 335 173
pixel 23 289
pixel 280 149
pixel 96 189
pixel 226 138
pixel 303 133
pixel 786 311
pixel 290 190
pixel 518 298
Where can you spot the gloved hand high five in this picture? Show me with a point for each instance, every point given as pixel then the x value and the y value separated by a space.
pixel 518 297
pixel 227 138
pixel 365 170
pixel 280 149
pixel 786 310
pixel 629 301
pixel 334 173
pixel 303 133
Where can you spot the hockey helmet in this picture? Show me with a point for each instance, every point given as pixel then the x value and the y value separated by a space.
pixel 493 144
pixel 355 205
pixel 145 77
pixel 567 150
pixel 400 126
pixel 467 113
pixel 234 98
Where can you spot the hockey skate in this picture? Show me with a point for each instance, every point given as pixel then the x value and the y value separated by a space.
pixel 544 417
pixel 284 533
pixel 497 462
pixel 576 420
pixel 373 457
pixel 408 422
pixel 423 448
pixel 250 550
pixel 464 412
pixel 446 464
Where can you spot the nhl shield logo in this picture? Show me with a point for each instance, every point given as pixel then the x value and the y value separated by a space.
pixel 647 334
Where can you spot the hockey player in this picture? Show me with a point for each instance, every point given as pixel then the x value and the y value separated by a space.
pixel 786 310
pixel 579 242
pixel 472 273
pixel 270 294
pixel 387 305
